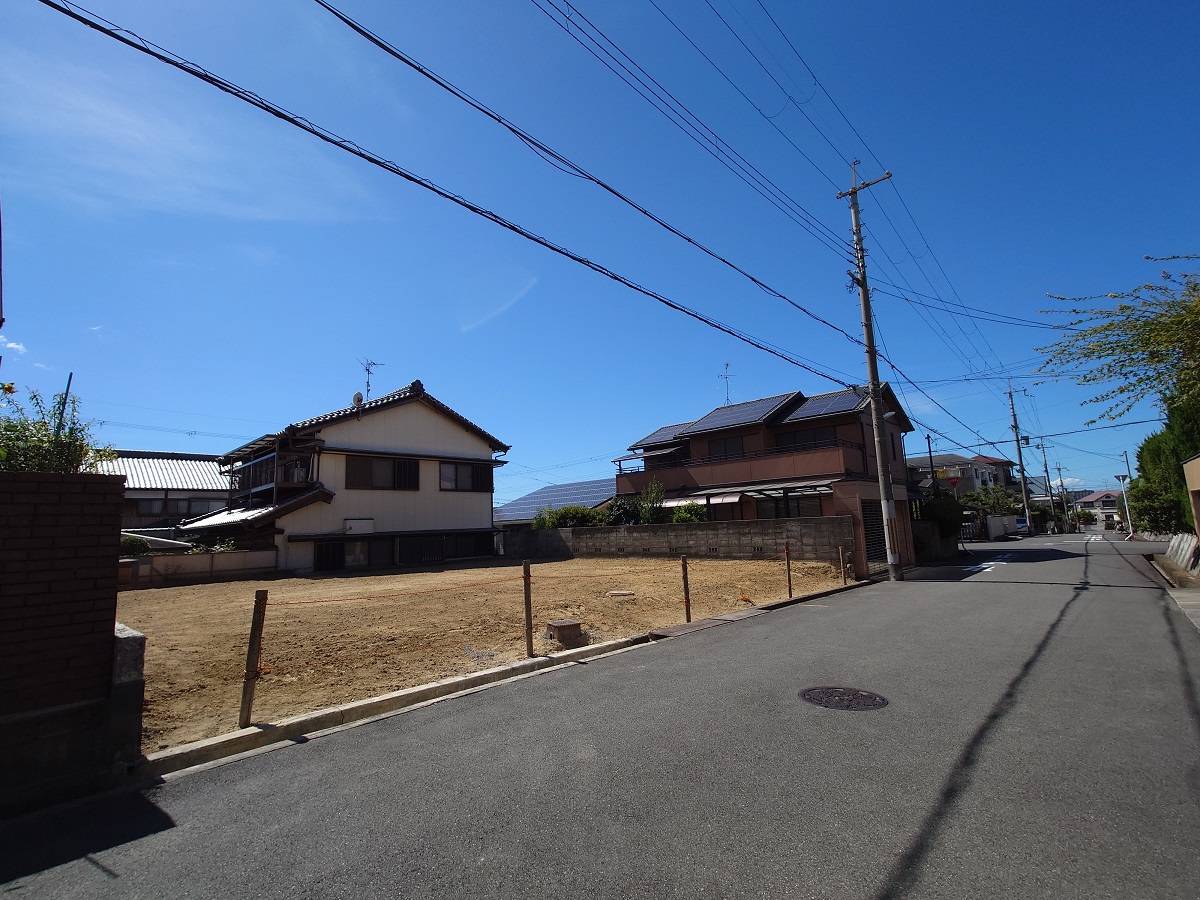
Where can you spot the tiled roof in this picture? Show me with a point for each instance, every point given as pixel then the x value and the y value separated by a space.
pixel 408 394
pixel 556 496
pixel 1098 495
pixel 942 461
pixel 146 470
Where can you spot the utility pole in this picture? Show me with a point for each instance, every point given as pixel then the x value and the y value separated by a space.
pixel 1020 462
pixel 1062 490
pixel 859 277
pixel 932 470
pixel 1125 496
pixel 1049 487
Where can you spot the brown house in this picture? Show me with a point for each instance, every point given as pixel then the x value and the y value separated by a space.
pixel 785 456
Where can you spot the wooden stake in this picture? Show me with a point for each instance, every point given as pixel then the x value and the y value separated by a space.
pixel 842 564
pixel 687 594
pixel 787 558
pixel 253 657
pixel 528 611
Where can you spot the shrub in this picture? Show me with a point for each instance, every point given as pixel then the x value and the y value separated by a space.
pixel 690 512
pixel 131 545
pixel 577 517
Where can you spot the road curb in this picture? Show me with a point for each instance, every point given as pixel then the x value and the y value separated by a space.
pixel 185 756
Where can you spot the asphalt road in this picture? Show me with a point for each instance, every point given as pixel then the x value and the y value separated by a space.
pixel 1041 740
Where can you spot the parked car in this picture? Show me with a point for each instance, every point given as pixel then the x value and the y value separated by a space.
pixel 1023 526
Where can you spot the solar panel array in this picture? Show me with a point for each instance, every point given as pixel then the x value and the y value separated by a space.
pixel 663 435
pixel 826 405
pixel 747 413
pixel 556 496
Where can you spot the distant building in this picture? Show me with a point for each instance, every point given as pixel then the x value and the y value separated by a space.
pixel 163 489
pixel 1103 503
pixel 519 513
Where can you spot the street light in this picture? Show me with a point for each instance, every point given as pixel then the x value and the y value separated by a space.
pixel 1128 514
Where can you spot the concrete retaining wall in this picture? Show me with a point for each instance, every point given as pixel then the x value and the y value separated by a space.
pixel 808 539
pixel 1184 551
pixel 191 568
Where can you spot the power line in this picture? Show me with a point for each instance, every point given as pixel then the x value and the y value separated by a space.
pixel 592 39
pixel 178 62
pixel 561 162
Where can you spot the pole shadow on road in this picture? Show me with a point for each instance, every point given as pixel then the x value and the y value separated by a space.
pixel 905 874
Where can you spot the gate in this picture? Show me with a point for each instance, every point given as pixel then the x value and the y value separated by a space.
pixel 872 517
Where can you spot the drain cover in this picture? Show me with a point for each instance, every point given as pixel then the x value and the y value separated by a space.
pixel 843 698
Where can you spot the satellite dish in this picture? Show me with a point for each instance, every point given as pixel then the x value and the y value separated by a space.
pixel 358 398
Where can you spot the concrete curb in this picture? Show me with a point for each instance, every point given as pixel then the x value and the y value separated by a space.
pixel 186 756
pixel 232 743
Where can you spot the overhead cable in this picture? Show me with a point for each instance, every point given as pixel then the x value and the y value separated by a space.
pixel 132 40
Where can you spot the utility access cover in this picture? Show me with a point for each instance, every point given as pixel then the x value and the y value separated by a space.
pixel 851 699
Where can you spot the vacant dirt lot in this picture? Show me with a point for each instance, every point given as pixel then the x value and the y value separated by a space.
pixel 333 639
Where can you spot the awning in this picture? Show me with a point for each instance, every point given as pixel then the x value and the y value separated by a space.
pixel 647 454
pixel 702 499
pixel 773 489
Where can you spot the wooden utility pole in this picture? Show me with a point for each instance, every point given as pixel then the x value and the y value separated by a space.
pixel 859 277
pixel 1020 462
pixel 253 658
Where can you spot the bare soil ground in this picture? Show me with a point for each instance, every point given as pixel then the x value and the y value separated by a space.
pixel 333 639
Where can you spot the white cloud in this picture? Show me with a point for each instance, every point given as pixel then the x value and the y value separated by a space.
pixel 6 344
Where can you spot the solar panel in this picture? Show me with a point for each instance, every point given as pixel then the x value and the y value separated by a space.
pixel 826 405
pixel 662 436
pixel 556 496
pixel 748 413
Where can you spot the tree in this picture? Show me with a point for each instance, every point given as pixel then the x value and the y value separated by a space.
pixel 997 501
pixel 48 438
pixel 644 509
pixel 1158 497
pixel 1147 347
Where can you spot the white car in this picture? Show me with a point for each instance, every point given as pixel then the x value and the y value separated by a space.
pixel 1023 526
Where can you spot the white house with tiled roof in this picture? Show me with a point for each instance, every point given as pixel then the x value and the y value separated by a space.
pixel 399 480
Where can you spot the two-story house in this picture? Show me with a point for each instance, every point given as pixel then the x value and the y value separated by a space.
pixel 956 473
pixel 784 456
pixel 399 480
pixel 1106 505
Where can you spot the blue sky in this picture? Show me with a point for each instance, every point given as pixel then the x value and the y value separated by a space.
pixel 210 274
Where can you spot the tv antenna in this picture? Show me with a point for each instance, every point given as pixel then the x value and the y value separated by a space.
pixel 727 376
pixel 369 365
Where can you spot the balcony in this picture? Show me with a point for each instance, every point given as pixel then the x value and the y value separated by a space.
pixel 825 458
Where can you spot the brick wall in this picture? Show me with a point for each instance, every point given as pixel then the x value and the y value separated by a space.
pixel 59 542
pixel 808 539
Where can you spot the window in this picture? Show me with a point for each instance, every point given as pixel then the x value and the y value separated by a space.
pixel 475 477
pixel 150 507
pixel 807 438
pixel 726 448
pixel 177 507
pixel 382 473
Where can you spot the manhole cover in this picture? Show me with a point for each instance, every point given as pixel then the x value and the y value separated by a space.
pixel 843 698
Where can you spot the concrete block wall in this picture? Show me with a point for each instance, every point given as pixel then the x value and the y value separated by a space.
pixel 814 539
pixel 59 543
